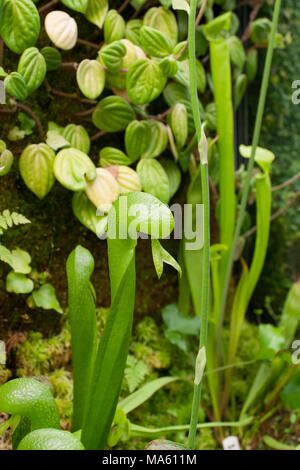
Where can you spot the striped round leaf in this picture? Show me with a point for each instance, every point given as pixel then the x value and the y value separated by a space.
pixel 154 179
pixel 158 139
pixel 173 173
pixel 145 81
pixel 32 66
pixel 16 86
pixel 137 139
pixel 96 12
pixel 36 168
pixel 52 57
pixel 164 20
pixel 128 180
pixel 113 114
pixel 19 24
pixel 178 121
pixel 86 213
pixel 112 55
pixel 169 67
pixel 78 137
pixel 6 161
pixel 103 191
pixel 61 29
pixel 77 5
pixel 155 43
pixel 90 78
pixel 133 31
pixel 74 169
pixel 114 27
pixel 112 156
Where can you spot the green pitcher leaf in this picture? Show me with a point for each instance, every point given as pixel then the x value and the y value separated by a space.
pixel 50 439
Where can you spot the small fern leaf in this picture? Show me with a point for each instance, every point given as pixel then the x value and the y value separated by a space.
pixel 135 373
pixel 7 216
pixel 3 224
pixel 19 219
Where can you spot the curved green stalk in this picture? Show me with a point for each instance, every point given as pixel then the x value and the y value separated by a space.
pixel 256 136
pixel 141 431
pixel 205 197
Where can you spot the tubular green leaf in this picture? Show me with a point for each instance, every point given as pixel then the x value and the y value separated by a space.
pixel 221 76
pixel 82 316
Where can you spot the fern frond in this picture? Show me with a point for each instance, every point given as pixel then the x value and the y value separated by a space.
pixel 8 219
pixel 135 372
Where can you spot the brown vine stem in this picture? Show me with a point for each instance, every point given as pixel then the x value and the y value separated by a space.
pixel 98 135
pixel 73 65
pixel 252 17
pixel 277 214
pixel 88 43
pixel 33 115
pixel 48 5
pixel 197 22
pixel 123 6
pixel 85 113
pixel 71 96
pixel 8 111
pixel 286 183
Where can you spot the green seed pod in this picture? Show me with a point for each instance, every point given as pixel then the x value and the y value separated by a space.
pixel 36 168
pixel 239 89
pixel 96 12
pixel 52 57
pixel 252 65
pixel 16 86
pixel 111 156
pixel 145 81
pixel 169 67
pixel 78 137
pixel 178 121
pixel 158 139
pixel 114 27
pixel 132 31
pixel 90 78
pixel 6 161
pixel 154 179
pixel 74 169
pixel 50 439
pixel 128 180
pixel 155 43
pixel 32 66
pixel 137 139
pixel 61 29
pixel 164 20
pixel 113 114
pixel 112 55
pixel 86 213
pixel 103 191
pixel 163 444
